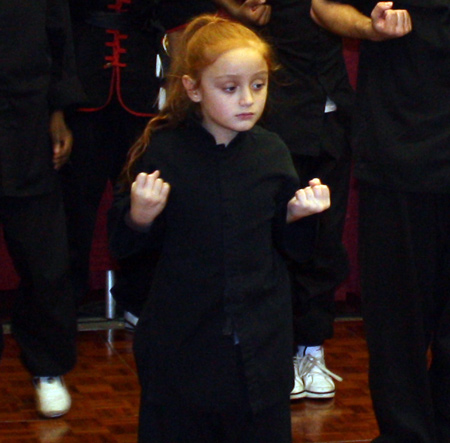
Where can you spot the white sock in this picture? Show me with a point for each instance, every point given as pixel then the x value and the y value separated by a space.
pixel 315 351
pixel 301 351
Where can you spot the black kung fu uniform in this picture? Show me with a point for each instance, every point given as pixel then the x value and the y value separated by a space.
pixel 174 13
pixel 221 274
pixel 402 150
pixel 116 44
pixel 312 71
pixel 36 78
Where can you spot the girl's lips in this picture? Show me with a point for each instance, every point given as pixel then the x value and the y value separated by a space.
pixel 246 115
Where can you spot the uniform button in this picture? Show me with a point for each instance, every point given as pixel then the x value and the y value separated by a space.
pixel 107 65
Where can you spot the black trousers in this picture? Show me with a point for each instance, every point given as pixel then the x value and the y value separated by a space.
pixel 44 314
pixel 101 142
pixel 315 281
pixel 405 277
pixel 192 424
pixel 215 411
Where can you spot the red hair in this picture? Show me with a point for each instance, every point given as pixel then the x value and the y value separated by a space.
pixel 204 40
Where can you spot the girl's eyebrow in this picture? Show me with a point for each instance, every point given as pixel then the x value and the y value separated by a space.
pixel 263 72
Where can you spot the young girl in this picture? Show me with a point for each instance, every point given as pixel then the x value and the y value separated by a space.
pixel 218 197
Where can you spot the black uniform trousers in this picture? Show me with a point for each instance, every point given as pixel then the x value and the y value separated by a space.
pixel 101 142
pixel 315 281
pixel 405 276
pixel 44 315
pixel 218 412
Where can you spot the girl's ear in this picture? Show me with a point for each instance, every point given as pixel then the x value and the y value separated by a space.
pixel 191 88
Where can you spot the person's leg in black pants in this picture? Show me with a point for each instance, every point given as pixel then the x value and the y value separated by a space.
pixel 44 314
pixel 404 253
pixel 101 142
pixel 440 367
pixel 84 180
pixel 190 424
pixel 315 281
pixel 221 410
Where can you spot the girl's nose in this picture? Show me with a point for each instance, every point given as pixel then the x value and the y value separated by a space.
pixel 246 98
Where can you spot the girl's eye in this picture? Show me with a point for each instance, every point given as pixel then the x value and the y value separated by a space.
pixel 258 85
pixel 229 88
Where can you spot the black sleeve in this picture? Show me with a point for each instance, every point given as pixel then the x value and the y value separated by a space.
pixel 300 238
pixel 125 241
pixel 65 89
pixel 295 240
pixel 431 22
pixel 174 13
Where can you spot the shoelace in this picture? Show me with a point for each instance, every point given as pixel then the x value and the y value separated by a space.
pixel 308 362
pixel 48 380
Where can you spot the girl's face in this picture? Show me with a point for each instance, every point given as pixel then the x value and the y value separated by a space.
pixel 232 92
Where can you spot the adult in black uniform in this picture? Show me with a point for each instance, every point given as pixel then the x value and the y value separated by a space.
pixel 310 109
pixel 37 82
pixel 115 47
pixel 402 142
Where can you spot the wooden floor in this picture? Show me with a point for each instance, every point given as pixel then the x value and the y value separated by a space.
pixel 105 394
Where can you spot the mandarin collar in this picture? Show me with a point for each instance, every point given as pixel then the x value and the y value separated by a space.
pixel 195 124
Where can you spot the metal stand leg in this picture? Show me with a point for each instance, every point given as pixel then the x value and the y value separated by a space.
pixel 110 312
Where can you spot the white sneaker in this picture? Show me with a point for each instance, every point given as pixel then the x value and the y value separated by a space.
pixel 317 379
pixel 130 321
pixel 299 389
pixel 52 398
